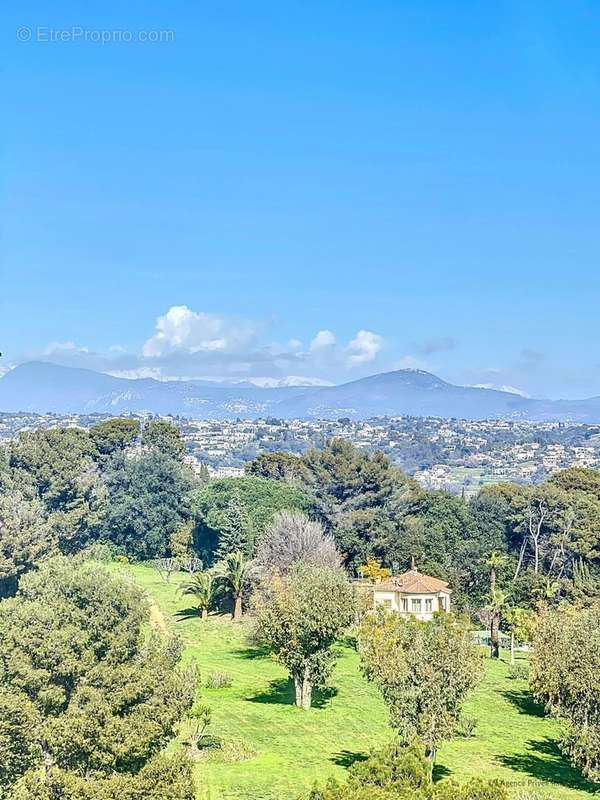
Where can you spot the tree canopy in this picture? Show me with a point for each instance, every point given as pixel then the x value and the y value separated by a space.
pixel 565 664
pixel 90 691
pixel 299 617
pixel 256 500
pixel 424 671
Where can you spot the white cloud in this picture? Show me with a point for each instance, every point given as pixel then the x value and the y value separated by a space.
pixel 322 340
pixel 182 330
pixel 364 348
pixel 187 344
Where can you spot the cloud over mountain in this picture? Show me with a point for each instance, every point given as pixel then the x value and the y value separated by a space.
pixel 190 344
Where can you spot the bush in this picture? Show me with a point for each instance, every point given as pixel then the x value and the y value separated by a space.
pixel 233 750
pixel 121 559
pixel 519 671
pixel 219 680
pixel 465 727
pixel 97 551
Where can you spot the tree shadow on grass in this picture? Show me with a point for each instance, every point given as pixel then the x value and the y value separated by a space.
pixel 525 702
pixel 440 771
pixel 345 758
pixel 187 613
pixel 545 762
pixel 251 652
pixel 282 692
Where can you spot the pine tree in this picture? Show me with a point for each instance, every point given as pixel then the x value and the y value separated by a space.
pixel 234 534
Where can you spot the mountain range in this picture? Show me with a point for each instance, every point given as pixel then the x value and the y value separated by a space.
pixel 42 387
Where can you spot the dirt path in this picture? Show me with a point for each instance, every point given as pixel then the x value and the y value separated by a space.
pixel 157 619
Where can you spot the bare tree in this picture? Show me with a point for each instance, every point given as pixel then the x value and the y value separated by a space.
pixel 166 567
pixel 535 518
pixel 293 537
pixel 191 564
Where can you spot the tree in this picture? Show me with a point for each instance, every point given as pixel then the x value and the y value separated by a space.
pixel 294 537
pixel 198 721
pixel 402 772
pixel 534 516
pixel 235 534
pixel 496 603
pixel 565 664
pixel 164 437
pixel 261 500
pixel 147 502
pixel 166 567
pixel 374 571
pixel 99 695
pixel 424 671
pixel 521 623
pixel 114 435
pixel 203 586
pixel 578 479
pixel 299 618
pixel 279 466
pixel 25 538
pixel 57 467
pixel 237 571
pixel 19 752
pixel 345 479
pixel 494 561
pixel 181 543
pixel 161 777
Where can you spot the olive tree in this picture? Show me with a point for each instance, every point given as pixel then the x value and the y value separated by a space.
pixel 299 618
pixel 565 664
pixel 424 671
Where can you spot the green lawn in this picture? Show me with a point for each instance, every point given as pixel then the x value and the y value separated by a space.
pixel 287 749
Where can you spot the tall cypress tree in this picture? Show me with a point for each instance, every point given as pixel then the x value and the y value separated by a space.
pixel 234 535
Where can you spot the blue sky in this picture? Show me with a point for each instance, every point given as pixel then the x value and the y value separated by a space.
pixel 321 190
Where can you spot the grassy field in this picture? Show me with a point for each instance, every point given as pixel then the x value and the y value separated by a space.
pixel 285 750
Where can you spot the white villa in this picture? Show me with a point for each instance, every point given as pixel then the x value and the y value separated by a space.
pixel 413 593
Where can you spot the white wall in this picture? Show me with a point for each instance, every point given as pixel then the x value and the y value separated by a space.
pixel 393 601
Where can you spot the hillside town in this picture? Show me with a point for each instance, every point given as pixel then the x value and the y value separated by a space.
pixel 455 455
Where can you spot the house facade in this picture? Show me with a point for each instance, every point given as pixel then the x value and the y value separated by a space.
pixel 413 593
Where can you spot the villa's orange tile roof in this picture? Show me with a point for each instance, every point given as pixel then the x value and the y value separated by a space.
pixel 413 582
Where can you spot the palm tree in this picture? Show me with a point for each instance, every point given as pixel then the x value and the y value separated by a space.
pixel 236 570
pixel 496 606
pixel 204 587
pixel 495 561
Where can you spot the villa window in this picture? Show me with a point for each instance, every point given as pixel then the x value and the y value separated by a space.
pixel 405 604
pixel 429 605
pixel 416 606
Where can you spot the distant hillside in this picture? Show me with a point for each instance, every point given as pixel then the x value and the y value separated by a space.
pixel 42 387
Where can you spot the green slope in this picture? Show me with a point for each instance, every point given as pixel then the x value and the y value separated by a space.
pixel 289 748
